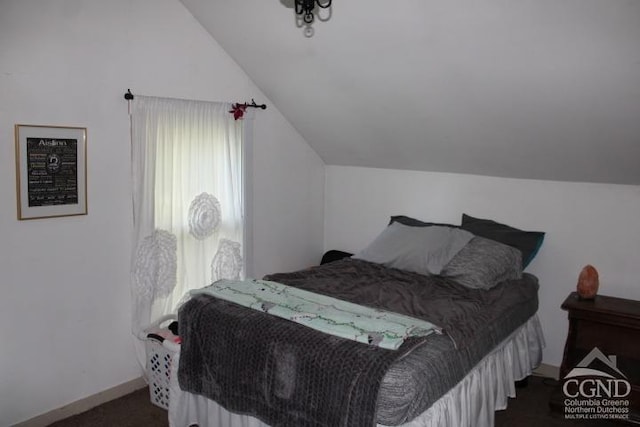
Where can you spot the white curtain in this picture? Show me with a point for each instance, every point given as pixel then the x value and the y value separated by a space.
pixel 187 201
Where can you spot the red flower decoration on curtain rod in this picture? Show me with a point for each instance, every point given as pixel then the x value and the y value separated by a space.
pixel 238 110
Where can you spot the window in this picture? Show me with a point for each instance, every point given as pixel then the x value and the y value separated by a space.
pixel 188 200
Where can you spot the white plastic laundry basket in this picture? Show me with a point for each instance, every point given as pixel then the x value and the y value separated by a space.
pixel 159 358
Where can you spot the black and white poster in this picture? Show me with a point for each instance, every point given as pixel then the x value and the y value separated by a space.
pixel 51 171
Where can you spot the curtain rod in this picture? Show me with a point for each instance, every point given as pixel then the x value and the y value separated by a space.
pixel 129 96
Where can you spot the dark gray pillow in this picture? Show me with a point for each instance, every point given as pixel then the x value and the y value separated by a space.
pixel 528 242
pixel 483 263
pixel 407 220
pixel 423 250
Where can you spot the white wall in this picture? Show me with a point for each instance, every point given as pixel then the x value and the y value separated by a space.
pixel 64 283
pixel 585 224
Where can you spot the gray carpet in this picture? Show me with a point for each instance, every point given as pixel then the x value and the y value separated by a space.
pixel 529 409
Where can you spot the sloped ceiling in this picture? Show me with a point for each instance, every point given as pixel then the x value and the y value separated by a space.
pixel 541 89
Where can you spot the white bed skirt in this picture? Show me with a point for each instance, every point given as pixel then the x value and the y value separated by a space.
pixel 471 403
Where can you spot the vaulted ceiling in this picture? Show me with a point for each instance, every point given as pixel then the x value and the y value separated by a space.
pixel 541 89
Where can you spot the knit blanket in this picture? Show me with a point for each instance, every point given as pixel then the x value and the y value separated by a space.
pixel 281 372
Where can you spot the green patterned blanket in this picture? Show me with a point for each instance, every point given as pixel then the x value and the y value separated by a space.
pixel 329 315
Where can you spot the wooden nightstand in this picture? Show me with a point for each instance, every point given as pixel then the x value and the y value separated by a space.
pixel 613 326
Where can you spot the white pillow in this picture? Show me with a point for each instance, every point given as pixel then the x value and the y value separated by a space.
pixel 424 250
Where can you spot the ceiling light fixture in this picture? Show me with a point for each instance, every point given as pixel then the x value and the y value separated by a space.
pixel 305 8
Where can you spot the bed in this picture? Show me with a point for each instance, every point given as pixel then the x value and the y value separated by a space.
pixel 244 367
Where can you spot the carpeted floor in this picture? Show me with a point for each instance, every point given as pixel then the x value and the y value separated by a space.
pixel 132 410
pixel 529 409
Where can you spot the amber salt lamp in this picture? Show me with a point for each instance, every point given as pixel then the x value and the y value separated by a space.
pixel 588 283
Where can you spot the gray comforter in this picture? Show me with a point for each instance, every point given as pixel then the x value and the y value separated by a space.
pixel 392 388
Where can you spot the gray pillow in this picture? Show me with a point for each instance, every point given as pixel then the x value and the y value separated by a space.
pixel 424 250
pixel 483 263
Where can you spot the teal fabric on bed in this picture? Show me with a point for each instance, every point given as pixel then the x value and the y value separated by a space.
pixel 323 313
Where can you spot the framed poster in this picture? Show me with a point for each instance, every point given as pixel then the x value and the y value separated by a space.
pixel 51 171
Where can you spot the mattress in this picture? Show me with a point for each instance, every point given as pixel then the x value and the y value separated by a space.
pixel 475 322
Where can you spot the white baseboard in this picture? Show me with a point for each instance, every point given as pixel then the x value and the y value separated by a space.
pixel 548 371
pixel 85 404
